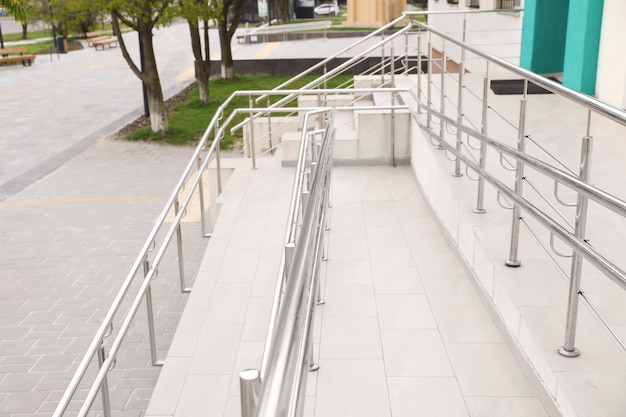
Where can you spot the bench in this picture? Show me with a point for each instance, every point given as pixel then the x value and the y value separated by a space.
pixel 96 36
pixel 17 54
pixel 111 41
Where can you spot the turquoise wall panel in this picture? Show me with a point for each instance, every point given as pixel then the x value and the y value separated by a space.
pixel 583 44
pixel 543 35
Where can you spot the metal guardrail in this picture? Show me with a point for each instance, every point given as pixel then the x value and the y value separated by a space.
pixel 280 384
pixel 579 183
pixel 307 254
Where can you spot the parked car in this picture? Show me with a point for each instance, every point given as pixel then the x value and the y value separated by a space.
pixel 326 9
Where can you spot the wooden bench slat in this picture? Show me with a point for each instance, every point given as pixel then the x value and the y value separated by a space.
pixel 28 58
pixel 13 51
pixel 102 42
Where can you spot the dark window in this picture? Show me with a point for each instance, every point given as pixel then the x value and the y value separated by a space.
pixel 453 1
pixel 508 4
pixel 472 3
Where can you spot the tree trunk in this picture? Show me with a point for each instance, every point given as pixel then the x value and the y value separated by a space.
pixel 202 62
pixel 226 32
pixel 228 66
pixel 156 103
pixel 283 10
pixel 150 75
pixel 24 30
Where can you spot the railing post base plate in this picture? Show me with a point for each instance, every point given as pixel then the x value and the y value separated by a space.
pixel 569 353
pixel 513 264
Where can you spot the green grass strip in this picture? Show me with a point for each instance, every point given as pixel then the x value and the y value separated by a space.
pixel 189 119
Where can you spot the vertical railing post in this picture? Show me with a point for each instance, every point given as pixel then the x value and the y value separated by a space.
pixel 459 116
pixel 513 260
pixel 150 313
pixel 429 86
pixel 382 61
pixel 442 122
pixel 104 388
pixel 406 52
pixel 393 111
pixel 269 126
pixel 482 161
pixel 203 216
pixel 569 348
pixel 252 144
pixel 290 250
pixel 419 72
pixel 218 159
pixel 459 120
pixel 179 244
pixel 250 387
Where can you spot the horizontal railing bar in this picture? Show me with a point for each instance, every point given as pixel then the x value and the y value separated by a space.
pixel 291 317
pixel 599 196
pixel 603 264
pixel 337 54
pixel 579 98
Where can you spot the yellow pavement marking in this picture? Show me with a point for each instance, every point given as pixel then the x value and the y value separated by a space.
pixel 184 76
pixel 60 77
pixel 193 209
pixel 269 48
pixel 218 56
pixel 81 200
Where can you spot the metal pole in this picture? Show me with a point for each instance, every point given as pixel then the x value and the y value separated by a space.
pixel 419 72
pixel 201 197
pixel 218 159
pixel 104 388
pixel 250 386
pixel 150 311
pixel 569 349
pixel 252 150
pixel 459 118
pixel 429 89
pixel 382 62
pixel 442 123
pixel 480 198
pixel 290 250
pixel 179 244
pixel 393 111
pixel 269 126
pixel 406 53
pixel 513 261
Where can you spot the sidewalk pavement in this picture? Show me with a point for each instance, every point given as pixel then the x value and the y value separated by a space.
pixel 75 208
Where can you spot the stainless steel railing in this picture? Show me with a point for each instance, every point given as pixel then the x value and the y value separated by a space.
pixel 278 388
pixel 520 158
pixel 427 110
pixel 573 234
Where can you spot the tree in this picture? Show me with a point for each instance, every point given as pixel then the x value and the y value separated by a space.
pixel 142 16
pixel 195 11
pixel 226 28
pixel 16 8
pixel 284 10
pixel 75 15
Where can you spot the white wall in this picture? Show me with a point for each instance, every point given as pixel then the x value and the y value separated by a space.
pixel 611 81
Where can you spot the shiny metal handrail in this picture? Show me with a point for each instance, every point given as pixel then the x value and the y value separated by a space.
pixel 584 100
pixel 338 70
pixel 289 342
pixel 325 61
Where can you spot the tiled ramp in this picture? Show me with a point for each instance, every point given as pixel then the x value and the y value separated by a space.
pixel 403 331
